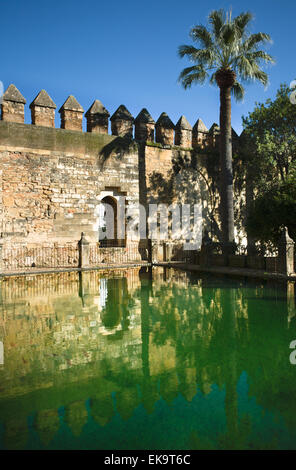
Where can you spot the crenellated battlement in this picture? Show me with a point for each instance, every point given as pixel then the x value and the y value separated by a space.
pixel 143 128
pixel 54 182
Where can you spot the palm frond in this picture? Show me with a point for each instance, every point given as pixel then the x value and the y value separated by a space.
pixel 217 19
pixel 260 76
pixel 250 71
pixel 257 56
pixel 203 56
pixel 226 45
pixel 244 67
pixel 254 40
pixel 185 50
pixel 190 75
pixel 212 79
pixel 228 34
pixel 187 71
pixel 201 35
pixel 238 91
pixel 242 21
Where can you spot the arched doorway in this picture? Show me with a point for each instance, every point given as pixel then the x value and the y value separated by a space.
pixel 108 223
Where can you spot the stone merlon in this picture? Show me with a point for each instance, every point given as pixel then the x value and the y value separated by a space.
pixel 199 134
pixel 183 135
pixel 165 122
pixel 71 104
pixel 97 108
pixel 144 116
pixel 122 113
pixel 71 114
pixel 13 105
pixel 164 130
pixel 200 126
pixel 214 134
pixel 43 100
pixel 214 129
pixel 13 94
pixel 122 122
pixel 183 124
pixel 144 126
pixel 97 118
pixel 43 110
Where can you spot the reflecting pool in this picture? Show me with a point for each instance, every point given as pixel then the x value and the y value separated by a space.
pixel 146 359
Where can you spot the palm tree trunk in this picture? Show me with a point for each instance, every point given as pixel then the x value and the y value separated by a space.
pixel 226 193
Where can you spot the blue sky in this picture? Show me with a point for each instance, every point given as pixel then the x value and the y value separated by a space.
pixel 125 52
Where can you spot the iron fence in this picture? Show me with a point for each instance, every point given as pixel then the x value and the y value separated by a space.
pixel 26 258
pixel 114 255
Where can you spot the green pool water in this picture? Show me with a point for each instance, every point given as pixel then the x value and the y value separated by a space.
pixel 146 359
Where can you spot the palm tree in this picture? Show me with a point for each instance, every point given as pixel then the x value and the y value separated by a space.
pixel 226 52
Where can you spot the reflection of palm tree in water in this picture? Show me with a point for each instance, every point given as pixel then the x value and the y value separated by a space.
pixel 238 430
pixel 206 342
pixel 116 307
pixel 219 358
pixel 230 366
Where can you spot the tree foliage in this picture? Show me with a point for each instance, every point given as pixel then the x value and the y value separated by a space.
pixel 270 140
pixel 226 55
pixel 225 45
pixel 272 210
pixel 269 156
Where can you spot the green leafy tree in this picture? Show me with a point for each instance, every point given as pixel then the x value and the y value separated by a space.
pixel 269 145
pixel 268 154
pixel 273 209
pixel 228 56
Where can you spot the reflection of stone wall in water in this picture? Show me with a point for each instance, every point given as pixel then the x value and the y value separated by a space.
pixel 169 339
pixel 63 312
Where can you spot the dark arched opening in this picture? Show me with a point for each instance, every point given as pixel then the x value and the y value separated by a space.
pixel 109 224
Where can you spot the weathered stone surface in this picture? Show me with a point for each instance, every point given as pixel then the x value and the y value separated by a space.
pixel 45 140
pixel 43 99
pixel 97 118
pixel 183 134
pixel 200 134
pixel 12 107
pixel 144 126
pixel 214 135
pixel 164 128
pixel 14 95
pixel 51 180
pixel 71 114
pixel 43 110
pixel 71 104
pixel 122 113
pixel 122 122
pixel 286 253
pixel 145 117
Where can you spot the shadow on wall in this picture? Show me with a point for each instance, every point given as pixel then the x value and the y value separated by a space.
pixel 189 181
pixel 120 146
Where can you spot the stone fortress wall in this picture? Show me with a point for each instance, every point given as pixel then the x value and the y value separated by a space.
pixel 53 180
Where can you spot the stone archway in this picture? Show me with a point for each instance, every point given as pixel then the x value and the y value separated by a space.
pixel 107 211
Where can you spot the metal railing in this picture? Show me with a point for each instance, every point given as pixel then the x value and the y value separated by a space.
pixel 25 258
pixel 114 255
